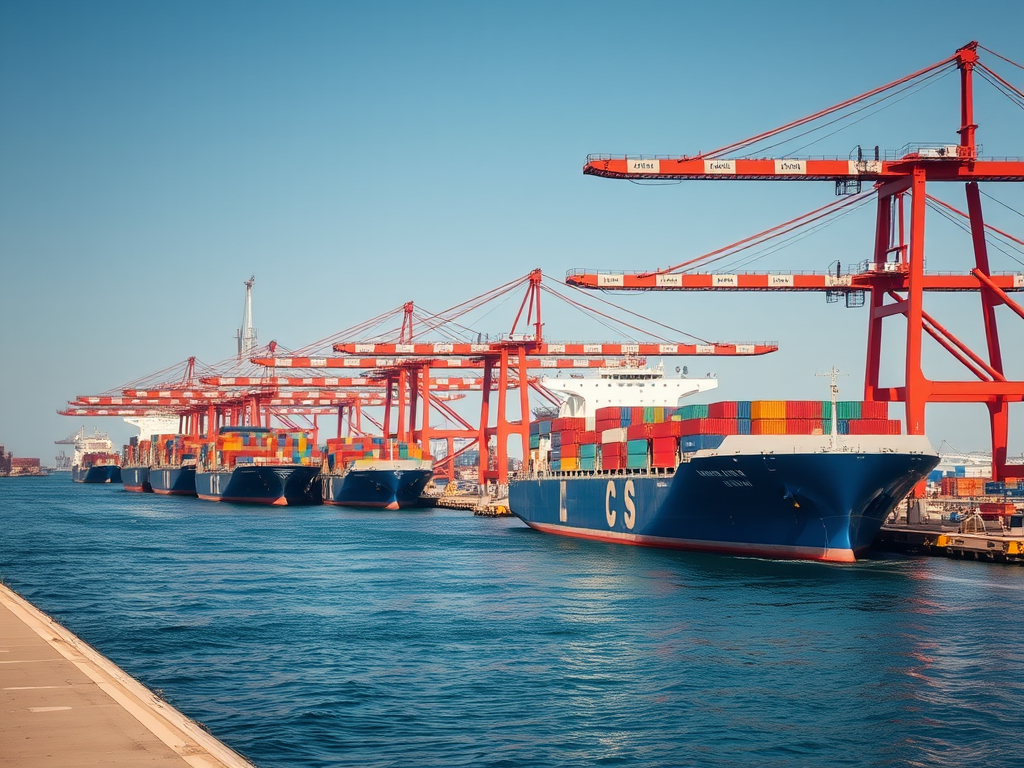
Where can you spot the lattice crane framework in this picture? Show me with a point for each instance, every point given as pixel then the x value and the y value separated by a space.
pixel 895 276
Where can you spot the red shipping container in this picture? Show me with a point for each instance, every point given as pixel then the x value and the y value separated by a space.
pixel 803 409
pixel 589 438
pixel 871 409
pixel 667 429
pixel 868 427
pixel 613 449
pixel 664 445
pixel 608 413
pixel 640 431
pixel 727 409
pixel 708 427
pixel 570 451
pixel 570 437
pixel 664 460
pixel 895 427
pixel 613 462
pixel 568 422
pixel 602 426
pixel 804 427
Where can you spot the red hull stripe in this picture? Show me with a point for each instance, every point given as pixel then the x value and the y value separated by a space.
pixel 239 500
pixel 697 545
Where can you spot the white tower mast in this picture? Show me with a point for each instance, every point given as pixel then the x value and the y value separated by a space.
pixel 247 334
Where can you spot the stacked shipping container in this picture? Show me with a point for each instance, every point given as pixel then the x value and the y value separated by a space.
pixel 618 438
pixel 261 446
pixel 342 450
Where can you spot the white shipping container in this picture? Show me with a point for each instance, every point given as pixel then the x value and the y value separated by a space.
pixel 617 435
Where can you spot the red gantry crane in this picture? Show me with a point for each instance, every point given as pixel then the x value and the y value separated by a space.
pixel 894 277
pixel 405 362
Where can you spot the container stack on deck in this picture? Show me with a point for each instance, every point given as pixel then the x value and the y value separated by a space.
pixel 264 447
pixel 617 438
pixel 342 450
pixel 168 450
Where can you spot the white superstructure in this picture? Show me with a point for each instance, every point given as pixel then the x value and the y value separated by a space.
pixel 149 426
pixel 246 335
pixel 97 442
pixel 629 387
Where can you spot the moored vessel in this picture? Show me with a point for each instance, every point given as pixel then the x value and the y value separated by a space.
pixel 173 469
pixel 94 460
pixel 372 472
pixel 135 477
pixel 779 479
pixel 258 465
pixel 135 466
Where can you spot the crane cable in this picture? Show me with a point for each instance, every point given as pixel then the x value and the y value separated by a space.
pixel 821 113
pixel 912 87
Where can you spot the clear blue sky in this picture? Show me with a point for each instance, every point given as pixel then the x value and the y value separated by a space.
pixel 354 156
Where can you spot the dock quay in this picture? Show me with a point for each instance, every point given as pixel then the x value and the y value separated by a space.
pixel 65 704
pixel 481 506
pixel 917 531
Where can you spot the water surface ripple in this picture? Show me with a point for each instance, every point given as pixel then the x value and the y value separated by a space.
pixel 310 637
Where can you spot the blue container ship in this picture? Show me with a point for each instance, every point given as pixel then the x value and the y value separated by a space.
pixel 258 465
pixel 136 478
pixel 174 481
pixel 277 484
pixel 784 496
pixel 94 460
pixel 817 496
pixel 380 483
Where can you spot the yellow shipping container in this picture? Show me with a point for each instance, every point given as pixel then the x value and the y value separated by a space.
pixel 767 426
pixel 768 409
pixel 570 464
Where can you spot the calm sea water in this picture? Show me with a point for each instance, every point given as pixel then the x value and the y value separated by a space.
pixel 326 637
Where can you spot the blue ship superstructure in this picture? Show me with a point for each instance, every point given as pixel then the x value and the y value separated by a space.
pixel 813 497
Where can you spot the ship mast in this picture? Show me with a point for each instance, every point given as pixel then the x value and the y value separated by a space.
pixel 246 335
pixel 833 438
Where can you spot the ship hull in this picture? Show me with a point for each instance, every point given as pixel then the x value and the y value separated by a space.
pixel 173 481
pixel 107 473
pixel 808 506
pixel 381 487
pixel 286 485
pixel 136 479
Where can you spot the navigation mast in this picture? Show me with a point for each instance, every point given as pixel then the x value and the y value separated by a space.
pixel 246 335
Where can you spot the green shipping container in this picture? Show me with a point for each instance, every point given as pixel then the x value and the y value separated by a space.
pixel 588 463
pixel 637 447
pixel 694 411
pixel 636 461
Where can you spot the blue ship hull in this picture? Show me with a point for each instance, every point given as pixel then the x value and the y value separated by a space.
pixel 173 481
pixel 136 479
pixel 800 505
pixel 288 484
pixel 107 473
pixel 383 487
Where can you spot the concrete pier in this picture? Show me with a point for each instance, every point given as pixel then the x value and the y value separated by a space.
pixel 63 704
